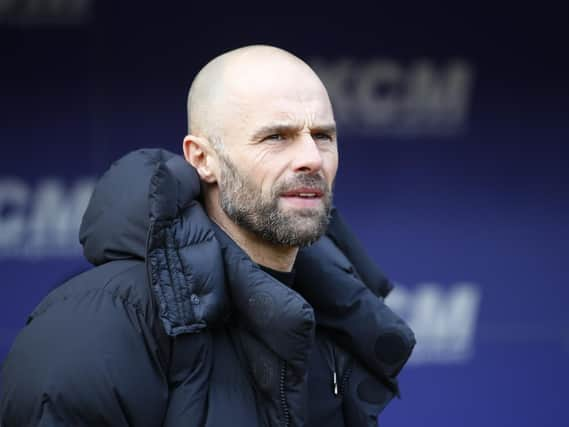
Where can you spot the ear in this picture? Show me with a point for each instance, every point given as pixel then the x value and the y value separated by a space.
pixel 199 153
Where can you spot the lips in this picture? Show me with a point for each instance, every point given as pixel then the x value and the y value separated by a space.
pixel 304 193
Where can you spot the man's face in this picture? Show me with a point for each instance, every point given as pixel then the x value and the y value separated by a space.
pixel 279 160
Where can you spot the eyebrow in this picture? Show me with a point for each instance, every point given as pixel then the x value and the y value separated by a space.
pixel 291 129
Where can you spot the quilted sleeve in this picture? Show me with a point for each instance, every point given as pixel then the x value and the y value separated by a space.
pixel 86 360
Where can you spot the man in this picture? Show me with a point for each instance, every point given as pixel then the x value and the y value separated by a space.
pixel 218 300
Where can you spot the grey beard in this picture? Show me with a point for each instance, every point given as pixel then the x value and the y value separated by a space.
pixel 243 203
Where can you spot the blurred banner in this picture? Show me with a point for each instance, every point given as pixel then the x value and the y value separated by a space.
pixel 453 131
pixel 45 12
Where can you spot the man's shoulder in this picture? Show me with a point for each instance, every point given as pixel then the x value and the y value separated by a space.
pixel 124 281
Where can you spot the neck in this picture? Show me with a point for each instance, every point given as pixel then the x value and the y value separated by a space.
pixel 280 258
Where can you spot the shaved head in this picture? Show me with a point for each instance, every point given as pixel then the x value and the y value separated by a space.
pixel 226 84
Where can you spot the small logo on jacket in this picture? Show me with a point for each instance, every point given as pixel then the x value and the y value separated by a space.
pixel 261 307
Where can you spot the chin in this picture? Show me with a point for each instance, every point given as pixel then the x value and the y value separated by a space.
pixel 310 229
pixel 312 212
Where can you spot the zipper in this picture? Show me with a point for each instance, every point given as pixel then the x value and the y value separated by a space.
pixel 338 387
pixel 335 383
pixel 334 374
pixel 284 405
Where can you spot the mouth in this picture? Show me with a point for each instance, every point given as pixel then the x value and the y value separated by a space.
pixel 304 197
pixel 304 193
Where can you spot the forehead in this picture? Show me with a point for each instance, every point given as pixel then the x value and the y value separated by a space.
pixel 296 103
pixel 293 110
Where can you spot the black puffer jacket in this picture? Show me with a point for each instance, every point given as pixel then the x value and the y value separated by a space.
pixel 177 326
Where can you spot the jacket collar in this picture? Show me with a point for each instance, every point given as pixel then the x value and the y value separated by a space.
pixel 195 269
pixel 279 316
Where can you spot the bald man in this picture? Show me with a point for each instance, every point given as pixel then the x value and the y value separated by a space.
pixel 226 289
pixel 262 138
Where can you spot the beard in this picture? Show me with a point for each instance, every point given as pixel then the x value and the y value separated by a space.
pixel 244 204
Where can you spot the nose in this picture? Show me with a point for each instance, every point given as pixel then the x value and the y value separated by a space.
pixel 308 158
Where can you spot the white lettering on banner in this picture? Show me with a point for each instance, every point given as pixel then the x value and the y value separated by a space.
pixel 14 195
pixel 382 96
pixel 443 319
pixel 40 11
pixel 42 220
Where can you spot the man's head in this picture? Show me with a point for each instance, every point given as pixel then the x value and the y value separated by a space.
pixel 262 137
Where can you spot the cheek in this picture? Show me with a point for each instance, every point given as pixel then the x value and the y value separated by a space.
pixel 263 180
pixel 330 166
pixel 262 170
pixel 269 185
pixel 268 174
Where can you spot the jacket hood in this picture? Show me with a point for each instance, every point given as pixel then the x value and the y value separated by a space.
pixel 116 222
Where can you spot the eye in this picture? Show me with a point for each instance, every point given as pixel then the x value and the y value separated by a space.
pixel 274 138
pixel 320 136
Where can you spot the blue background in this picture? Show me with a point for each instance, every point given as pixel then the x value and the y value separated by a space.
pixel 483 203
